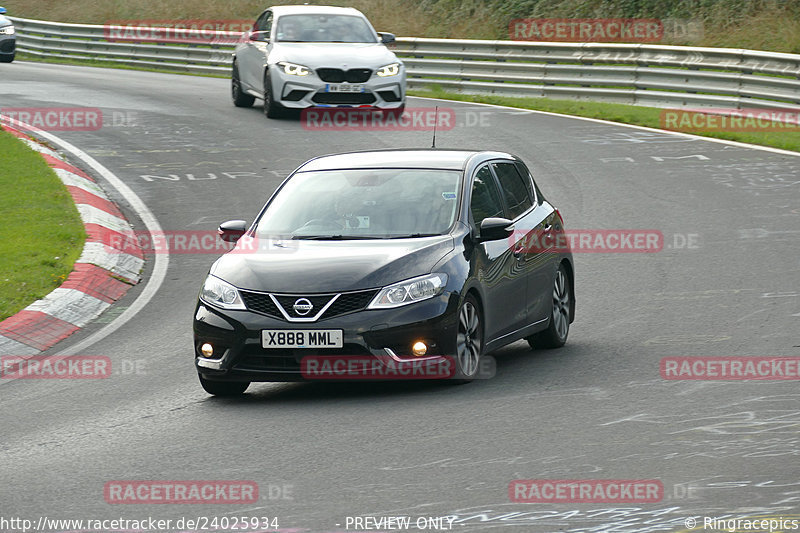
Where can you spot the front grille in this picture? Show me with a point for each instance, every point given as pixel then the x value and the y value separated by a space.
pixel 257 358
pixel 288 359
pixel 287 302
pixel 344 98
pixel 260 303
pixel 8 47
pixel 347 302
pixel 337 75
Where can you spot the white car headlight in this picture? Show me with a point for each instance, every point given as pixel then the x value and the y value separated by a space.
pixel 293 69
pixel 7 30
pixel 409 291
pixel 221 294
pixel 389 70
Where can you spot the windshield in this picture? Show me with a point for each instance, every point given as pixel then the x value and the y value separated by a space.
pixel 324 29
pixel 374 203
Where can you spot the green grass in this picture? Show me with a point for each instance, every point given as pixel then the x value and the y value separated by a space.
pixel 42 232
pixel 626 114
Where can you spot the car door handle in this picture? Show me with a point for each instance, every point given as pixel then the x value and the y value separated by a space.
pixel 548 227
pixel 518 251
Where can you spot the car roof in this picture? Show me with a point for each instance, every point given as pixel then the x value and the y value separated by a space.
pixel 403 158
pixel 315 10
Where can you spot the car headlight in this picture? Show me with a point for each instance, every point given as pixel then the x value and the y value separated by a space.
pixel 389 70
pixel 409 291
pixel 7 30
pixel 220 293
pixel 295 70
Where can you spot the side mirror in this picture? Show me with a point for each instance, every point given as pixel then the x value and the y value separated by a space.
pixel 2 10
pixel 232 230
pixel 260 36
pixel 386 38
pixel 494 229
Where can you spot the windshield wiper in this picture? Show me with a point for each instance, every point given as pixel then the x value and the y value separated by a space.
pixel 414 235
pixel 332 237
pixel 340 237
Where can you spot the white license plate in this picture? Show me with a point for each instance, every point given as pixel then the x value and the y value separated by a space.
pixel 344 88
pixel 301 338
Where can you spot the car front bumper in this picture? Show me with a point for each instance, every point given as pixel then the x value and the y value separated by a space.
pixel 383 334
pixel 301 92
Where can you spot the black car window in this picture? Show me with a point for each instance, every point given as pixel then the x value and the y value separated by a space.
pixel 516 193
pixel 264 22
pixel 486 200
pixel 353 203
pixel 536 194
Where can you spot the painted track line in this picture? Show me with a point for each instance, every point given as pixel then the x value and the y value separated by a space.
pixel 622 124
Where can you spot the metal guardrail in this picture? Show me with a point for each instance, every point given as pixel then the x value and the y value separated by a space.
pixel 90 41
pixel 639 74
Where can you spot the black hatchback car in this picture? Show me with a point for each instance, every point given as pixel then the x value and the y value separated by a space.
pixel 392 256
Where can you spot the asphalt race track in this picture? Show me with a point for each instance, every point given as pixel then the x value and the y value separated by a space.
pixel 727 283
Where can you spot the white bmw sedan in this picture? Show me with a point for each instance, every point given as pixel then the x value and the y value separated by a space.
pixel 315 56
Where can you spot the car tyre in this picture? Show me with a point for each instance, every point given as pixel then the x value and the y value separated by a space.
pixel 8 59
pixel 240 98
pixel 469 340
pixel 555 336
pixel 271 108
pixel 223 388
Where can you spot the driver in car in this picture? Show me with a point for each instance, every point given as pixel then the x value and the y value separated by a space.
pixel 288 31
pixel 342 217
pixel 346 211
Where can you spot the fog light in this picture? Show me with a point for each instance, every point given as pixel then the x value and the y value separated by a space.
pixel 419 348
pixel 207 350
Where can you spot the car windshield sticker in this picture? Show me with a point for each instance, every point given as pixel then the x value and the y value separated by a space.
pixel 449 195
pixel 357 222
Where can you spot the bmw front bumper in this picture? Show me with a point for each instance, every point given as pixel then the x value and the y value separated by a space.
pixel 300 92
